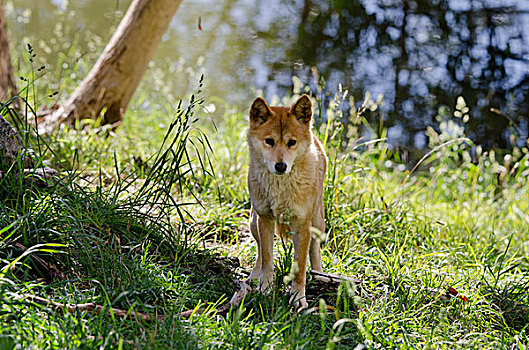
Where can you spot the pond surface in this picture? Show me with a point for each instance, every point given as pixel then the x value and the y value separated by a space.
pixel 419 55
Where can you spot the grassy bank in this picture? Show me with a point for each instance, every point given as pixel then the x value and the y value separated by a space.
pixel 148 218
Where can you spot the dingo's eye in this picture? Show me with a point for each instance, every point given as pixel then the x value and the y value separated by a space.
pixel 269 141
pixel 291 143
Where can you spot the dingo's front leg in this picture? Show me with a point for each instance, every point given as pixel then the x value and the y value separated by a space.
pixel 301 250
pixel 266 227
pixel 256 271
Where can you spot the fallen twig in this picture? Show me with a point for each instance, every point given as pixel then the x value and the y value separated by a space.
pixel 332 278
pixel 337 279
pixel 92 308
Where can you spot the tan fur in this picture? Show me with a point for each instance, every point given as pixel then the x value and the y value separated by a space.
pixel 292 200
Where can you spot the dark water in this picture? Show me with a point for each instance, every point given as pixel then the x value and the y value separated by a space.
pixel 420 55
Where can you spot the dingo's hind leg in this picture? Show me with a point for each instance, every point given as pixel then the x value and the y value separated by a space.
pixel 318 222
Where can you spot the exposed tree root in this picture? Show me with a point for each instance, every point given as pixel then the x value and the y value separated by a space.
pixel 325 283
pixel 48 271
pixel 12 151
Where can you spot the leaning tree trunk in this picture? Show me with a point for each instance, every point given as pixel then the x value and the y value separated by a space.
pixel 117 73
pixel 8 87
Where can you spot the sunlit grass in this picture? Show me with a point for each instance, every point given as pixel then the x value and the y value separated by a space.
pixel 142 221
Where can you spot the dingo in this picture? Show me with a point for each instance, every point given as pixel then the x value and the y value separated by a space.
pixel 285 180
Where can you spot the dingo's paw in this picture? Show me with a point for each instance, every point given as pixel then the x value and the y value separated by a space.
pixel 300 303
pixel 298 296
pixel 266 282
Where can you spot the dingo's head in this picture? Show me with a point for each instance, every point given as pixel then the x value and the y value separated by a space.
pixel 280 134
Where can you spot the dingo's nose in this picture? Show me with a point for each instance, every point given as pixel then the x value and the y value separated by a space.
pixel 281 167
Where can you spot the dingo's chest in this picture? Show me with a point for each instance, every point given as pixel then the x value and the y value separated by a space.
pixel 291 195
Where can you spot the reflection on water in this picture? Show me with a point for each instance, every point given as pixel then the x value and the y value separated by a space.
pixel 420 55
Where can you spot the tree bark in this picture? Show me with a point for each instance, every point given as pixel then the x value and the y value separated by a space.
pixel 109 86
pixel 8 87
pixel 11 144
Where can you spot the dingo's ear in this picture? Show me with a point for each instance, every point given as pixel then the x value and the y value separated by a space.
pixel 259 112
pixel 302 109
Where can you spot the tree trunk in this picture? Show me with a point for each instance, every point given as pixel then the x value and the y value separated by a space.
pixel 11 144
pixel 10 141
pixel 8 87
pixel 112 81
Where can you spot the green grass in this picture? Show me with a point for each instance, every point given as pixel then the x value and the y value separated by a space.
pixel 144 216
